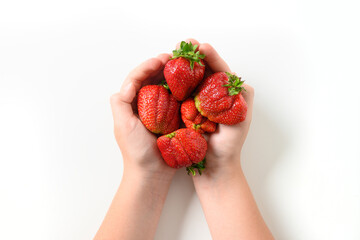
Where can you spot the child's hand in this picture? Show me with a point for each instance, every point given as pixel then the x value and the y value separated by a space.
pixel 137 144
pixel 136 208
pixel 223 180
pixel 224 145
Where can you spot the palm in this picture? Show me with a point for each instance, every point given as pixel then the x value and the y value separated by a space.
pixel 143 141
pixel 144 147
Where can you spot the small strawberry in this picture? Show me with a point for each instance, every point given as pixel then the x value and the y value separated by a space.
pixel 219 99
pixel 183 148
pixel 193 119
pixel 158 109
pixel 184 71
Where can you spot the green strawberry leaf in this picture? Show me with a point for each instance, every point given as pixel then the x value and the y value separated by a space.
pixel 188 51
pixel 200 166
pixel 234 85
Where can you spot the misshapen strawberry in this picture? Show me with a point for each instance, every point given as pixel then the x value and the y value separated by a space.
pixel 184 71
pixel 219 99
pixel 193 119
pixel 183 148
pixel 158 109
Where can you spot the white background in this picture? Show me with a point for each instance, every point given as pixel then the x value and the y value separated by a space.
pixel 61 60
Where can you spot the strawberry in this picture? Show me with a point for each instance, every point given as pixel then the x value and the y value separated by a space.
pixel 158 109
pixel 193 119
pixel 183 148
pixel 184 71
pixel 219 99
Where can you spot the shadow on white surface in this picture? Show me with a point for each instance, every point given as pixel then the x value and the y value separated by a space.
pixel 176 207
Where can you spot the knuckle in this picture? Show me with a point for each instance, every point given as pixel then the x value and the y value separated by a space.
pixel 192 40
pixel 115 98
pixel 209 51
pixel 163 55
pixel 249 89
pixel 206 45
pixel 154 64
pixel 153 59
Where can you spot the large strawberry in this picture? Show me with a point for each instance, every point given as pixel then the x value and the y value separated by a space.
pixel 219 99
pixel 158 109
pixel 183 148
pixel 184 71
pixel 193 119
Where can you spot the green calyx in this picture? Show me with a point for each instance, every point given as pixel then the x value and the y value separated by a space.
pixel 200 166
pixel 170 135
pixel 234 84
pixel 188 51
pixel 164 84
pixel 196 126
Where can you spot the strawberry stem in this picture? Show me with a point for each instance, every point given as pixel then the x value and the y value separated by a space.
pixel 200 166
pixel 188 51
pixel 234 84
pixel 196 126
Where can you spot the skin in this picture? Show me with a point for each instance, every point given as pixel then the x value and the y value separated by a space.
pixel 230 209
pixel 136 208
pixel 229 206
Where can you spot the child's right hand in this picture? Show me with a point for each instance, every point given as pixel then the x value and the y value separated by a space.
pixel 138 145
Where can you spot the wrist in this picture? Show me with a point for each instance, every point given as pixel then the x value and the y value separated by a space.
pixel 141 183
pixel 220 161
pixel 155 175
pixel 219 172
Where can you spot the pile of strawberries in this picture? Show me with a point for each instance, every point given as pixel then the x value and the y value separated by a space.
pixel 200 102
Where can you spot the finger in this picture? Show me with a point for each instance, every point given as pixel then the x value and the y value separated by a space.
pixel 248 95
pixel 121 103
pixel 157 76
pixel 164 58
pixel 121 111
pixel 136 77
pixel 193 41
pixel 213 59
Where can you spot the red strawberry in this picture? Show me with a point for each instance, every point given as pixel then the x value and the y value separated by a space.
pixel 183 148
pixel 193 119
pixel 219 99
pixel 158 109
pixel 185 71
